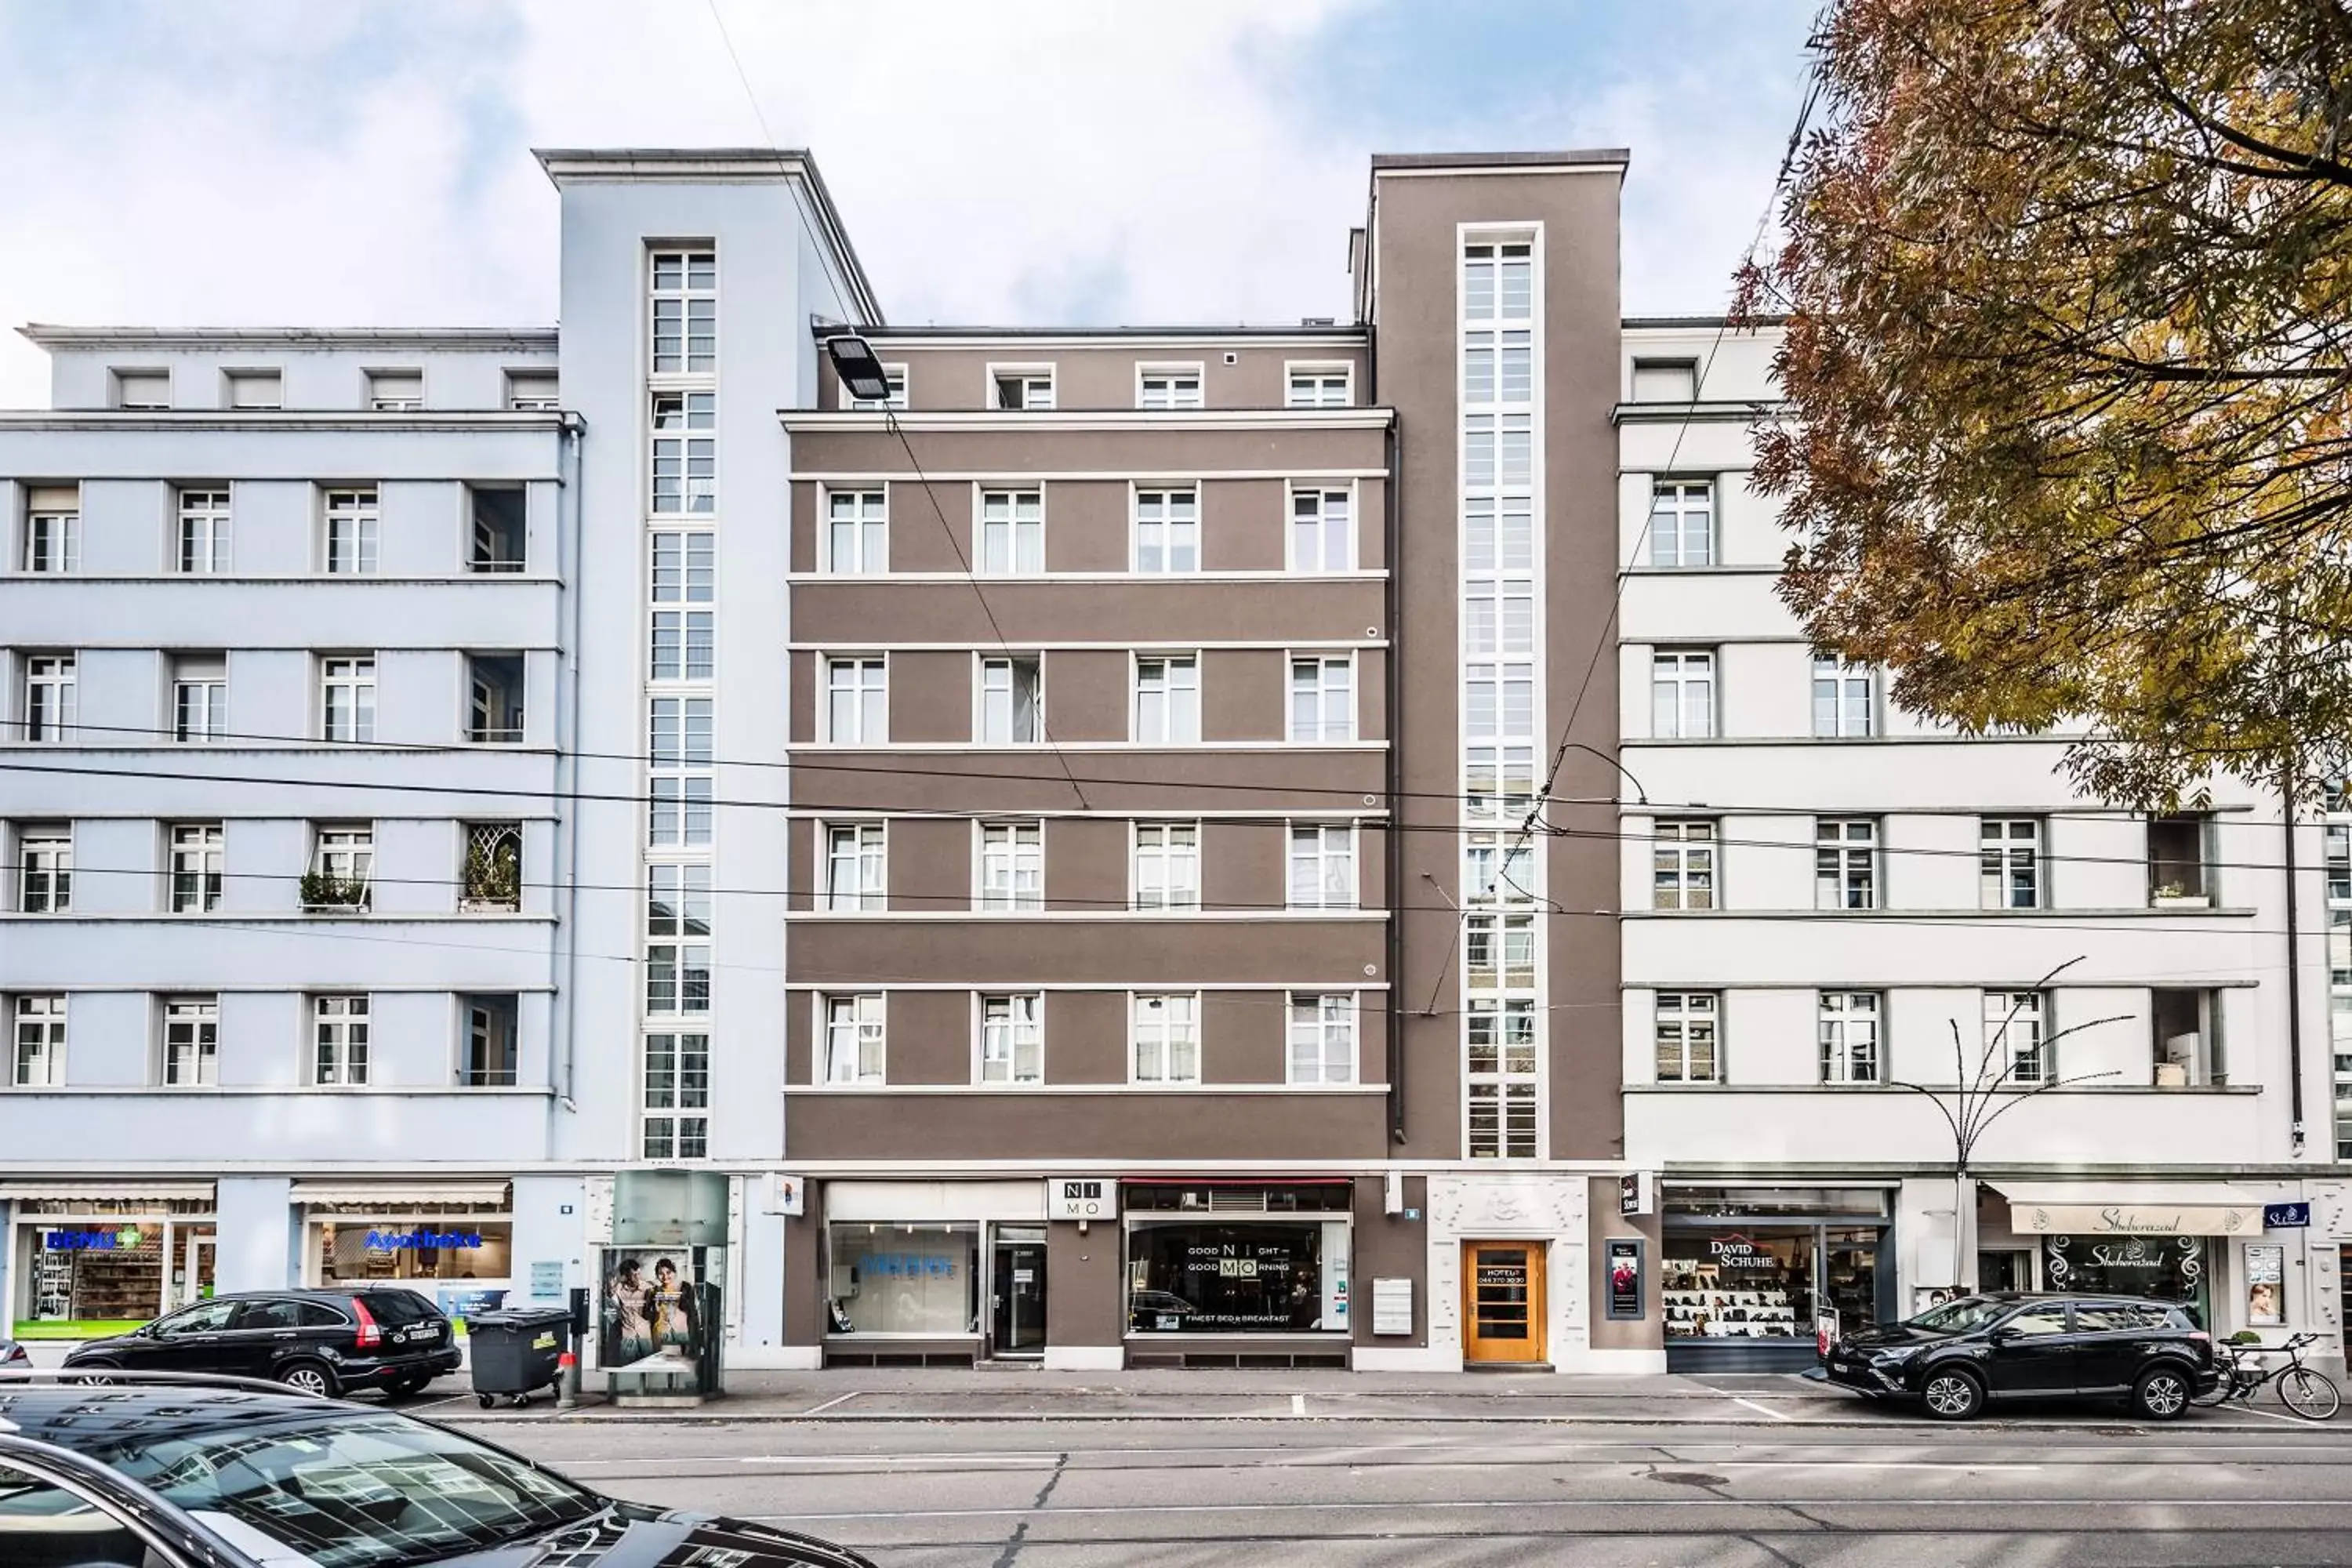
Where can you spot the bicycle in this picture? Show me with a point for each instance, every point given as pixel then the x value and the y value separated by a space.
pixel 2309 1394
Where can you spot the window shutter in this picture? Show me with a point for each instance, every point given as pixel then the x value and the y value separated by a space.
pixel 46 499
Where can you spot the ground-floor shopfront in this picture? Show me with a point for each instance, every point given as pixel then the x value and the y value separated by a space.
pixel 1753 1273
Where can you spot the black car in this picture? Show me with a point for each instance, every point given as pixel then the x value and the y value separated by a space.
pixel 326 1342
pixel 2015 1345
pixel 187 1473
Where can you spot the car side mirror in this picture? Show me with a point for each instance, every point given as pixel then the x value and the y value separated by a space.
pixel 2001 1336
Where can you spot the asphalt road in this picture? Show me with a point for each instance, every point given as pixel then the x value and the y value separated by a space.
pixel 1834 1485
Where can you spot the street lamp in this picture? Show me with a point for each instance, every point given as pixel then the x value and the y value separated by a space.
pixel 860 372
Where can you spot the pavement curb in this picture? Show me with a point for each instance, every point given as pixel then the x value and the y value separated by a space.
pixel 935 1418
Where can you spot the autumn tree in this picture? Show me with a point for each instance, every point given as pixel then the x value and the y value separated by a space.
pixel 2068 286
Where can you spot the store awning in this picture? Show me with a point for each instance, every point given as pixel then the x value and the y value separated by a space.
pixel 490 1194
pixel 121 1191
pixel 2131 1209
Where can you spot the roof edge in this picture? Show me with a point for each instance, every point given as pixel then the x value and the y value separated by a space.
pixel 1620 156
pixel 52 335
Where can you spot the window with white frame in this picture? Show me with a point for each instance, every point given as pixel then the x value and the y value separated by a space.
pixel 857 866
pixel 1012 1038
pixel 685 317
pixel 1322 866
pixel 683 567
pixel 191 1041
pixel 350 532
pixel 1682 859
pixel 196 848
pixel 1498 366
pixel 684 471
pixel 342 867
pixel 1011 533
pixel 894 385
pixel 1167 864
pixel 256 389
pixel 53 529
pixel 1498 534
pixel 854 1043
pixel 677 1095
pixel 1322 699
pixel 491 1048
pixel 339 1036
pixel 1498 280
pixel 678 932
pixel 1020 387
pixel 1685 1029
pixel 47 699
pixel 1319 386
pixel 39 1059
pixel 204 531
pixel 857 700
pixel 1012 702
pixel 1011 867
pixel 1322 1037
pixel 533 391
pixel 1682 523
pixel 1498 952
pixel 1498 451
pixel 1322 529
pixel 1498 781
pixel 2015 1038
pixel 1845 863
pixel 1682 693
pixel 2009 862
pixel 1500 1056
pixel 1498 701
pixel 44 869
pixel 142 389
pixel 1665 380
pixel 1167 530
pixel 1164 1037
pixel 1498 869
pixel 682 646
pixel 678 758
pixel 396 391
pixel 1844 700
pixel 347 699
pixel 1167 386
pixel 1848 1036
pixel 1499 616
pixel 1167 699
pixel 199 699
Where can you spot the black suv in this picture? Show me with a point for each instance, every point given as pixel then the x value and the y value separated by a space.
pixel 2014 1344
pixel 320 1341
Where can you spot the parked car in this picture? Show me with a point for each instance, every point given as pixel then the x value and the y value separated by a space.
pixel 187 1473
pixel 2019 1345
pixel 13 1355
pixel 327 1342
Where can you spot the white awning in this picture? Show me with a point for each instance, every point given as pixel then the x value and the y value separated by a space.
pixel 2131 1209
pixel 490 1194
pixel 124 1191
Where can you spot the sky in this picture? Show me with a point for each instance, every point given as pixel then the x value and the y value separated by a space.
pixel 366 162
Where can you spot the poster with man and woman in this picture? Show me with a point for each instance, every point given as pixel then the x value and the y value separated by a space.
pixel 648 1310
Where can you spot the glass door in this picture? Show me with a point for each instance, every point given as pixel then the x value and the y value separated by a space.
pixel 192 1272
pixel 1850 1276
pixel 1017 1291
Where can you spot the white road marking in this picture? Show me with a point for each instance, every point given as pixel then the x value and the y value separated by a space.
pixel 820 1409
pixel 2275 1415
pixel 1418 1505
pixel 1299 1405
pixel 1765 1408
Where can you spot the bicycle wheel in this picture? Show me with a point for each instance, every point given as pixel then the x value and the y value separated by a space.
pixel 2309 1394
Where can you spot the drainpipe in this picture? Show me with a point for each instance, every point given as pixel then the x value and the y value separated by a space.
pixel 2293 975
pixel 567 757
pixel 1393 532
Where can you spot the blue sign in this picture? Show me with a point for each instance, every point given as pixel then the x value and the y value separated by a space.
pixel 92 1240
pixel 422 1240
pixel 910 1265
pixel 2287 1217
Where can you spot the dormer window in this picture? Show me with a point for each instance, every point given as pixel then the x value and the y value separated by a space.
pixel 396 391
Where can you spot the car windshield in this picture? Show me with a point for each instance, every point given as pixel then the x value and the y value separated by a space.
pixel 356 1492
pixel 1960 1316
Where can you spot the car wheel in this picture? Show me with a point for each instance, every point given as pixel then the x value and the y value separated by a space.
pixel 308 1377
pixel 94 1370
pixel 2161 1393
pixel 1951 1394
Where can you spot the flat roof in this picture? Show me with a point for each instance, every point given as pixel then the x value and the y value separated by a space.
pixel 1618 155
pixel 1242 331
pixel 50 335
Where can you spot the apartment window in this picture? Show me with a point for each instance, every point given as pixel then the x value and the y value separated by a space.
pixel 1501 1077
pixel 894 381
pixel 685 311
pixel 2015 1037
pixel 677 755
pixel 1498 700
pixel 1322 866
pixel 854 1044
pixel 1166 866
pixel 1011 533
pixel 2179 859
pixel 1021 386
pixel 1323 699
pixel 493 1041
pixel 1844 700
pixel 1167 530
pixel 1845 863
pixel 339 1036
pixel 677 1096
pixel 2009 862
pixel 1682 524
pixel 45 870
pixel 491 878
pixel 191 1041
pixel 1498 782
pixel 1498 616
pixel 1665 380
pixel 39 1058
pixel 677 977
pixel 677 900
pixel 1498 281
pixel 857 701
pixel 1322 531
pixel 1498 869
pixel 1497 535
pixel 1684 1028
pixel 256 389
pixel 856 866
pixel 1498 952
pixel 396 391
pixel 1167 700
pixel 1322 1039
pixel 1012 1038
pixel 195 867
pixel 1497 449
pixel 342 864
pixel 1682 857
pixel 352 530
pixel 1682 694
pixel 347 699
pixel 533 391
pixel 53 529
pixel 857 533
pixel 684 568
pixel 1011 866
pixel 1165 1037
pixel 48 699
pixel 142 389
pixel 1169 388
pixel 203 531
pixel 494 686
pixel 678 922
pixel 1011 705
pixel 199 698
pixel 1319 386
pixel 2186 1027
pixel 685 469
pixel 1849 1036
pixel 499 538
pixel 1498 366
pixel 682 646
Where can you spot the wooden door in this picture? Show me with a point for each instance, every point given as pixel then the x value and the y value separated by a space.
pixel 1503 1301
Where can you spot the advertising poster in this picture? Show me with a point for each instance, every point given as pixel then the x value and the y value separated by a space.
pixel 2265 1286
pixel 1622 1260
pixel 647 1308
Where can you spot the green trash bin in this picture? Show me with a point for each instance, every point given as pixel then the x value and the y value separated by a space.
pixel 517 1353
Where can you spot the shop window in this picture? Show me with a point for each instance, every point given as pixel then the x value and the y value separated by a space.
pixel 2174 1268
pixel 1768 1281
pixel 1262 1277
pixel 904 1279
pixel 432 1243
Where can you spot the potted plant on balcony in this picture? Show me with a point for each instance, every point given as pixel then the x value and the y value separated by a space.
pixel 324 892
pixel 2175 894
pixel 493 877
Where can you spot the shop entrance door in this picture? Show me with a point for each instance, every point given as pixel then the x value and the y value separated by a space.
pixel 1017 1292
pixel 1502 1301
pixel 195 1273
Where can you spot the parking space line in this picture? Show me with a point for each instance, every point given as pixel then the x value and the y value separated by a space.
pixel 1299 1405
pixel 844 1399
pixel 1764 1409
pixel 2274 1415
